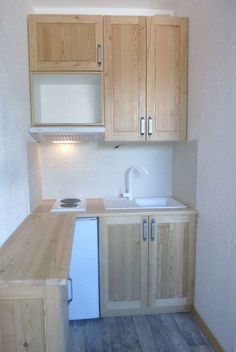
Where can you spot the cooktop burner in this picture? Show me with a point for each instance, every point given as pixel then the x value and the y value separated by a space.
pixel 70 200
pixel 69 204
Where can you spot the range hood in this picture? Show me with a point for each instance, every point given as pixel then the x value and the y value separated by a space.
pixel 67 134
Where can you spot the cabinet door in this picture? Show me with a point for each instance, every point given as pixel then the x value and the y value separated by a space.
pixel 22 326
pixel 123 265
pixel 166 78
pixel 65 43
pixel 171 262
pixel 125 77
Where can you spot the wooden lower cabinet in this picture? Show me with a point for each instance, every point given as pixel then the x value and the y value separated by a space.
pixel 146 264
pixel 34 319
pixel 123 265
pixel 171 262
pixel 22 325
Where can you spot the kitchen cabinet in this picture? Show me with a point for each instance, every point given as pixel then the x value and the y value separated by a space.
pixel 65 43
pixel 66 64
pixel 34 319
pixel 123 265
pixel 124 77
pixel 166 78
pixel 65 98
pixel 145 78
pixel 146 263
pixel 22 327
pixel 145 74
pixel 171 262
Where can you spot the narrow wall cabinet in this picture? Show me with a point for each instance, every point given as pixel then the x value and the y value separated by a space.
pixel 147 264
pixel 125 77
pixel 145 78
pixel 65 43
pixel 166 78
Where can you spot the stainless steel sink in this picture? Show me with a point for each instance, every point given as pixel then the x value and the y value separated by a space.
pixel 142 203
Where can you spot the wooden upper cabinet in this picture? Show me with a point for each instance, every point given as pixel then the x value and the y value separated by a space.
pixel 125 76
pixel 65 43
pixel 145 78
pixel 166 77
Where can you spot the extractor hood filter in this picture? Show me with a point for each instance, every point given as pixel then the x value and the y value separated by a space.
pixel 67 134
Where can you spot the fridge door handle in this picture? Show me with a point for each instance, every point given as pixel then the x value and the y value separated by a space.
pixel 71 290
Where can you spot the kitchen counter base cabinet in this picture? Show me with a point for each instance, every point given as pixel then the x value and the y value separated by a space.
pixel 171 262
pixel 123 265
pixel 147 264
pixel 34 319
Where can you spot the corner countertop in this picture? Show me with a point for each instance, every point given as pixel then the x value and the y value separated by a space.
pixel 38 252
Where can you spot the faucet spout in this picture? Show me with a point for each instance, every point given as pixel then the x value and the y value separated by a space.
pixel 128 191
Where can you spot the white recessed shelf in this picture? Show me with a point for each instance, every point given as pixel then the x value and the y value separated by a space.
pixel 66 98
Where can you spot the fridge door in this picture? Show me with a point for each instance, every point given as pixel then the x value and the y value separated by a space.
pixel 84 271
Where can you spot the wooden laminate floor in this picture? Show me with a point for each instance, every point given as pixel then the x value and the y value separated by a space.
pixel 146 333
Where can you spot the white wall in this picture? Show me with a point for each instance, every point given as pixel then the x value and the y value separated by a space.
pixel 97 170
pixel 184 176
pixel 14 115
pixel 212 120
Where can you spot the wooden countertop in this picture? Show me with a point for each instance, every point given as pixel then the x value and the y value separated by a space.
pixel 38 252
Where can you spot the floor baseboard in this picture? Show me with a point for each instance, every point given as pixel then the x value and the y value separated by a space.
pixel 207 331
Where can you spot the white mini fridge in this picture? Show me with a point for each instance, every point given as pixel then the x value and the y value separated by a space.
pixel 83 283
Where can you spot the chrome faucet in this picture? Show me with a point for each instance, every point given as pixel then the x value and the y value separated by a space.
pixel 128 190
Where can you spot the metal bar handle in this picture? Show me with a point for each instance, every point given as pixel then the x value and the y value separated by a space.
pixel 71 290
pixel 153 230
pixel 142 126
pixel 145 230
pixel 99 54
pixel 150 131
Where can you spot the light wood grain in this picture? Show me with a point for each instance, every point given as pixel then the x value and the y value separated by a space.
pixel 35 261
pixel 50 41
pixel 168 275
pixel 123 265
pixel 64 42
pixel 22 326
pixel 36 317
pixel 125 77
pixel 38 253
pixel 171 262
pixel 167 77
pixel 56 319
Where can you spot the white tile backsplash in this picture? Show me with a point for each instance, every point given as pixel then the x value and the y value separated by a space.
pixel 98 170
